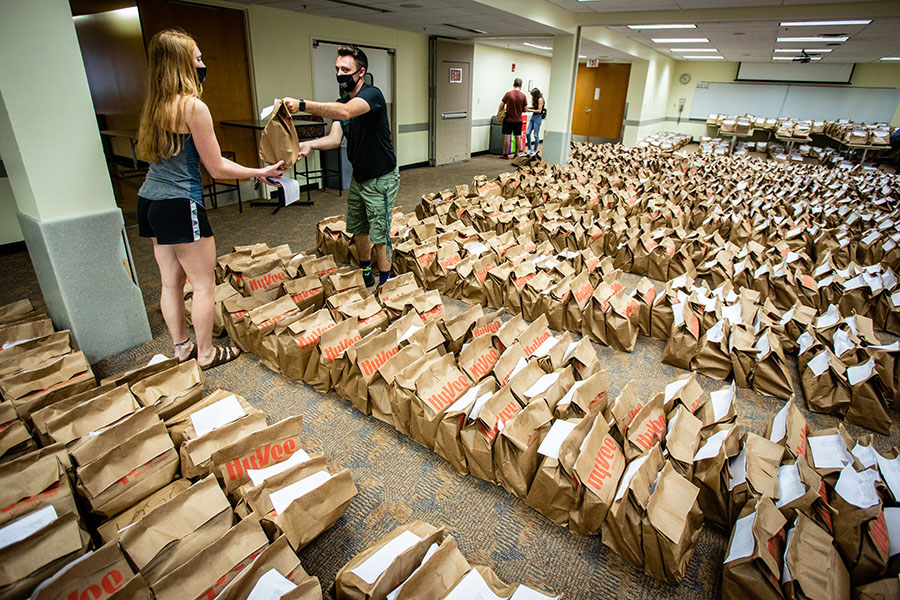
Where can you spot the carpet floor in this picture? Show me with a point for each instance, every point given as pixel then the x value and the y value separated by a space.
pixel 399 480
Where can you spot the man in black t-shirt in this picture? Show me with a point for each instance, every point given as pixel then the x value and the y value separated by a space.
pixel 360 115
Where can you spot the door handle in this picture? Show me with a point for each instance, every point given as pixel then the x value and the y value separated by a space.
pixel 460 114
pixel 587 110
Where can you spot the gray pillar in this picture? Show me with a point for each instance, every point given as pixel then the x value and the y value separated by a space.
pixel 52 152
pixel 563 71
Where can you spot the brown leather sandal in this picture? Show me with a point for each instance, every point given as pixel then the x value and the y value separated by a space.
pixel 223 355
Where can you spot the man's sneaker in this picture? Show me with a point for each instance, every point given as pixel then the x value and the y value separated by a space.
pixel 368 277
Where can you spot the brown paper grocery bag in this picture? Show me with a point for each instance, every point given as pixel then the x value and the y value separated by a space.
pixel 509 332
pixel 311 514
pixel 295 351
pixel 388 563
pixel 447 441
pixel 14 436
pixel 437 388
pixel 130 377
pixel 515 450
pixel 671 526
pixel 771 376
pixel 32 560
pixel 622 324
pixel 158 543
pixel 103 571
pixel 584 397
pixel 801 489
pixel 32 354
pixel 437 574
pixel 109 530
pixel 279 139
pixel 458 328
pixel 860 531
pixel 754 472
pixel 277 556
pixel 713 359
pixel 14 311
pixel 366 357
pixel 258 450
pixel 647 428
pixel 583 357
pixel 743 355
pixel 125 462
pixel 328 358
pixel 684 340
pixel 24 330
pixel 789 428
pixel 511 360
pixel 883 589
pixel 182 426
pixel 478 358
pixel 234 313
pixel 265 318
pixel 683 439
pixel 211 569
pixel 403 393
pixel 622 530
pixel 29 391
pixel 92 415
pixel 755 551
pixel 482 579
pixel 171 391
pixel 381 384
pixel 598 466
pixel 196 453
pixel 867 398
pixel 626 406
pixel 25 488
pixel 481 429
pixel 553 490
pixel 711 474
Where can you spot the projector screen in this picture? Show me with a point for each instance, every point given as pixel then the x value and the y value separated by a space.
pixel 814 72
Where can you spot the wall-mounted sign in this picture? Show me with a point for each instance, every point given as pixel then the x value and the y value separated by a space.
pixel 455 75
pixel 593 62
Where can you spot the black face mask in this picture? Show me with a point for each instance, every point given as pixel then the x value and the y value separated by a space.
pixel 201 74
pixel 346 82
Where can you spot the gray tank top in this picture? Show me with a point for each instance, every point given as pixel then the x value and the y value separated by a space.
pixel 177 176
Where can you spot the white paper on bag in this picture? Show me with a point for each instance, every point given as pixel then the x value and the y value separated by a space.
pixel 890 471
pixel 842 342
pixel 479 404
pixel 409 332
pixel 805 341
pixel 675 387
pixel 271 586
pixel 282 498
pixel 721 401
pixel 819 363
pixel 258 476
pixel 779 424
pixel 372 568
pixel 157 358
pixel 738 468
pixel 542 385
pixel 24 527
pixel 519 366
pixel 742 543
pixel 712 446
pixel 223 412
pixel 472 587
pixel 831 317
pixel 856 489
pixel 866 455
pixel 547 344
pixel 861 372
pixel 567 399
pixel 716 333
pixel 431 550
pixel 629 474
pixel 476 249
pixel 470 396
pixel 786 571
pixel 829 451
pixel 523 592
pixel 790 487
pixel 569 350
pixel 555 437
pixel 264 113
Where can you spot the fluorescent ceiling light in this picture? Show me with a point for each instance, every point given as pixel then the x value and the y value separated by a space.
pixel 705 56
pixel 890 58
pixel 795 58
pixel 681 40
pixel 823 23
pixel 582 56
pixel 815 38
pixel 683 50
pixel 538 46
pixel 685 26
pixel 795 50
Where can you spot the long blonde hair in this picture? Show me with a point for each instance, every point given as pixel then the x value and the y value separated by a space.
pixel 172 75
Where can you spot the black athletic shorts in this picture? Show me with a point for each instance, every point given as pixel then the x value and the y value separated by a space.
pixel 513 127
pixel 175 221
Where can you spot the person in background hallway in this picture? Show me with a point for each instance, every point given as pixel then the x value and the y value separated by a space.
pixel 538 112
pixel 361 116
pixel 514 101
pixel 175 134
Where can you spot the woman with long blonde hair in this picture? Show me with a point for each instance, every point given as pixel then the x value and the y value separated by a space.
pixel 175 135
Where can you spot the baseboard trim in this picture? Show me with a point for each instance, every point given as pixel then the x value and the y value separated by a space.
pixel 415 165
pixel 13 248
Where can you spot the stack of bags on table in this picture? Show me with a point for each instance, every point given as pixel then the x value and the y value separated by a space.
pixel 865 134
pixel 819 515
pixel 419 561
pixel 666 141
pixel 179 494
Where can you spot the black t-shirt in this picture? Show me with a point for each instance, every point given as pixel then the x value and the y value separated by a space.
pixel 368 136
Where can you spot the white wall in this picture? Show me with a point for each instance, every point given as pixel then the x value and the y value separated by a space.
pixel 493 77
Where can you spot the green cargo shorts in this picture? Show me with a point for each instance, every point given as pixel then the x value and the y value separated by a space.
pixel 370 205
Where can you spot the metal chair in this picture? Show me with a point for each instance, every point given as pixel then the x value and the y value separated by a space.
pixel 212 190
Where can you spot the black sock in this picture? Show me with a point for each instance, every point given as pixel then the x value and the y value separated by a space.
pixel 366 265
pixel 383 276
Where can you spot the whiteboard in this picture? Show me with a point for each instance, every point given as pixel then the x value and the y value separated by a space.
pixel 798 101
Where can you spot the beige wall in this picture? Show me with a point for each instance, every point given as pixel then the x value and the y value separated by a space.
pixel 493 76
pixel 864 75
pixel 281 56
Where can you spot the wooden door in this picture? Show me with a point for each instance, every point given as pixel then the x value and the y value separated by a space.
pixel 221 35
pixel 451 113
pixel 599 106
